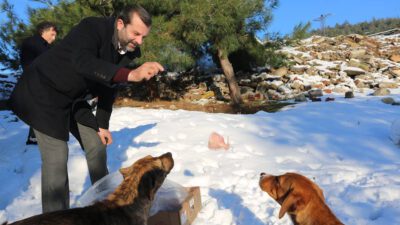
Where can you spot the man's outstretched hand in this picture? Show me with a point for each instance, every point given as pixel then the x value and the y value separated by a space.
pixel 145 71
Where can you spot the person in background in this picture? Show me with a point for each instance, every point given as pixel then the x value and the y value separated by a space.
pixel 52 94
pixel 31 48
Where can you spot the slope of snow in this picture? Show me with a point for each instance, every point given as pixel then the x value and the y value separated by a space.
pixel 344 146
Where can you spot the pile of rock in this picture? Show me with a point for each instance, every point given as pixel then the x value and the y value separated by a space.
pixel 343 64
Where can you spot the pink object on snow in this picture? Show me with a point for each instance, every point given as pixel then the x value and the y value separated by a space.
pixel 216 141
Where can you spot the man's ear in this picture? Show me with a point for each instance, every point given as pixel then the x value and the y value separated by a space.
pixel 120 24
pixel 293 201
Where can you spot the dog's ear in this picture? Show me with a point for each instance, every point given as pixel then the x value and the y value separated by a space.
pixel 320 192
pixel 149 185
pixel 292 202
pixel 127 171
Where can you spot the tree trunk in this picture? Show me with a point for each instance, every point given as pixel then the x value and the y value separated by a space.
pixel 234 90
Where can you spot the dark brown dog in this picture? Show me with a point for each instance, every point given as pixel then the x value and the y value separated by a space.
pixel 129 204
pixel 298 196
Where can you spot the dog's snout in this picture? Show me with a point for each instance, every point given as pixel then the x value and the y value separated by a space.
pixel 264 175
pixel 167 161
pixel 168 155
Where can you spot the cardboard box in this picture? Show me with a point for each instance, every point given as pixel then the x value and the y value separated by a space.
pixel 188 211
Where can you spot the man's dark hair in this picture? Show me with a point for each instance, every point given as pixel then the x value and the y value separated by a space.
pixel 42 26
pixel 126 14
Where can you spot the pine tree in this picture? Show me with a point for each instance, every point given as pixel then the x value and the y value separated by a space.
pixel 223 26
pixel 181 29
pixel 65 14
pixel 300 31
pixel 364 28
pixel 10 35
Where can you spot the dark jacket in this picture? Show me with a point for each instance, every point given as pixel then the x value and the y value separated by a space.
pixel 54 89
pixel 31 48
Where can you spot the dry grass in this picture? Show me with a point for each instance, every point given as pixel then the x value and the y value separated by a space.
pixel 209 107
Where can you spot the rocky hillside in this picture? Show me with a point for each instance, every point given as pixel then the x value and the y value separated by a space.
pixel 346 63
pixel 319 65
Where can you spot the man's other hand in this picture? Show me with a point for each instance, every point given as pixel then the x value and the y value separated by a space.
pixel 145 71
pixel 105 136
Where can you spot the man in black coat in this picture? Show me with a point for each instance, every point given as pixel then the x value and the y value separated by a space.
pixel 34 46
pixel 52 94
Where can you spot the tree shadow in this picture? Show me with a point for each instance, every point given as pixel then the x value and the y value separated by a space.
pixel 123 140
pixel 353 133
pixel 242 215
pixel 117 151
pixel 18 162
pixel 18 173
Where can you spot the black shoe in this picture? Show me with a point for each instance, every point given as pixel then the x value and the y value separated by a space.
pixel 31 141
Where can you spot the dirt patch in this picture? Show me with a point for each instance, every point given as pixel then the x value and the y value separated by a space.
pixel 208 107
pixel 190 106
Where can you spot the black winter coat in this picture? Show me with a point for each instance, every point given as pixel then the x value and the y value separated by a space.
pixel 53 90
pixel 31 48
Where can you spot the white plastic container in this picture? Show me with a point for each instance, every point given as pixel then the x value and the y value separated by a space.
pixel 168 197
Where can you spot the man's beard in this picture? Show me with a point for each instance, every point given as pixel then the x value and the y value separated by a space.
pixel 129 46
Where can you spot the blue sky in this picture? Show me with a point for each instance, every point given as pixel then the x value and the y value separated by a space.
pixel 292 12
pixel 21 8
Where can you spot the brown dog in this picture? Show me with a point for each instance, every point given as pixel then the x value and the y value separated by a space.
pixel 129 204
pixel 298 196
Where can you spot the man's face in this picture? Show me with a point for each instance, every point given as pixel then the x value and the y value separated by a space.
pixel 49 35
pixel 131 35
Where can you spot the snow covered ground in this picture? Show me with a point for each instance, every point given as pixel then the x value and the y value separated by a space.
pixel 344 146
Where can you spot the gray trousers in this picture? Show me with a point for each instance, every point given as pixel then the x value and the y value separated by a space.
pixel 54 155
